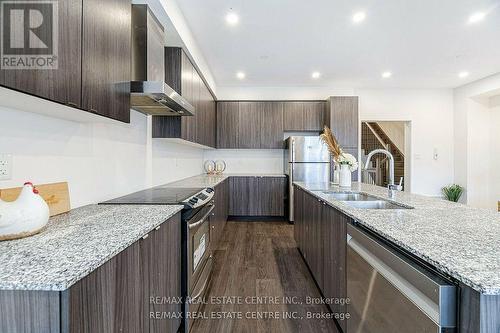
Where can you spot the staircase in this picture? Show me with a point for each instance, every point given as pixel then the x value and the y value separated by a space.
pixel 373 137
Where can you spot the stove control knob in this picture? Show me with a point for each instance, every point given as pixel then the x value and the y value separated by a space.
pixel 193 201
pixel 209 190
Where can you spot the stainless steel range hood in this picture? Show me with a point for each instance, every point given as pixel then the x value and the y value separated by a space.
pixel 149 93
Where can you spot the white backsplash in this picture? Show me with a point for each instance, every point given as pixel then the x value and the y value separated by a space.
pixel 248 160
pixel 99 161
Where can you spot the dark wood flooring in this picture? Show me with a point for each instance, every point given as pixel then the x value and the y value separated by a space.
pixel 261 259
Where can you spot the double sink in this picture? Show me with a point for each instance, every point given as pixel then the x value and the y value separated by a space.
pixel 363 201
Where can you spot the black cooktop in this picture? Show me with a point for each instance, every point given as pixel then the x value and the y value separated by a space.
pixel 160 195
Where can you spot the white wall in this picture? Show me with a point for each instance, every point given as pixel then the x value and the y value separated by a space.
pixel 279 93
pixel 430 112
pixel 248 160
pixel 100 161
pixel 477 137
pixel 172 161
pixel 495 155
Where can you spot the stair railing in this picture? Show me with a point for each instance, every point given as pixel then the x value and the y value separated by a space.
pixel 377 136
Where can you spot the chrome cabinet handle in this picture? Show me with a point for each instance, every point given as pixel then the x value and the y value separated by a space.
pixel 145 236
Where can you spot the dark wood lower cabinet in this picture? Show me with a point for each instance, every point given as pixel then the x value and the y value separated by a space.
pixel 334 243
pixel 320 233
pixel 30 311
pixel 271 196
pixel 257 196
pixel 108 299
pixel 116 297
pixel 161 262
pixel 217 224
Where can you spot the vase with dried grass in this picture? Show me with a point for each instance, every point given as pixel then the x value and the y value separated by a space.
pixel 333 146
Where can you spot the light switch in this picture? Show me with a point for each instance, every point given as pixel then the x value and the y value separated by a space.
pixel 5 166
pixel 436 155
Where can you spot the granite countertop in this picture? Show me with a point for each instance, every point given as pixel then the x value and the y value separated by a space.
pixel 461 241
pixel 205 180
pixel 76 243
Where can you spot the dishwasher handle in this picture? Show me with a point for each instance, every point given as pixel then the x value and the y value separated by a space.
pixel 432 295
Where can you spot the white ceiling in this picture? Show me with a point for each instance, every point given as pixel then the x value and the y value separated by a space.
pixel 424 43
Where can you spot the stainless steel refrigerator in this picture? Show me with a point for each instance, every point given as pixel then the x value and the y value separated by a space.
pixel 307 160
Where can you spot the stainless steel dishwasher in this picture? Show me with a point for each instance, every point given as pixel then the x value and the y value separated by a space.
pixel 390 293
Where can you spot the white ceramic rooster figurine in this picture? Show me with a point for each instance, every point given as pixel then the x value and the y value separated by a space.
pixel 24 217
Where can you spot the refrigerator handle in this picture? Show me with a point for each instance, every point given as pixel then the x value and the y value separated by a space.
pixel 293 150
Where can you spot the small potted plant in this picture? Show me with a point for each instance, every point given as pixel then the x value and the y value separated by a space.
pixel 452 192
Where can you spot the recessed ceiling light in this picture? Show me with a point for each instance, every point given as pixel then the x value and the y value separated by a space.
pixel 359 17
pixel 463 74
pixel 232 18
pixel 316 75
pixel 240 75
pixel 386 75
pixel 477 17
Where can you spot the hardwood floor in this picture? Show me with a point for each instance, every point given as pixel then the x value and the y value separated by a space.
pixel 260 259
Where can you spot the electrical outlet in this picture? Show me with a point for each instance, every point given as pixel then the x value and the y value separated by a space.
pixel 5 166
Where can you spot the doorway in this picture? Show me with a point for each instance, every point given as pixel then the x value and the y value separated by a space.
pixel 393 136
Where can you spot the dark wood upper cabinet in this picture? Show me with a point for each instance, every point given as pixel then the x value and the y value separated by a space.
pixel 106 58
pixel 314 116
pixel 249 124
pixel 293 116
pixel 304 116
pixel 185 81
pixel 182 76
pixel 62 85
pixel 261 124
pixel 211 121
pixel 93 52
pixel 271 128
pixel 228 125
pixel 205 113
pixel 343 118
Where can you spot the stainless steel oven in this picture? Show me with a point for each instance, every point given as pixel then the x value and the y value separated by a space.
pixel 200 257
pixel 198 260
pixel 390 293
pixel 196 255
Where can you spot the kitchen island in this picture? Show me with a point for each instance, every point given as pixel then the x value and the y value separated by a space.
pixel 460 242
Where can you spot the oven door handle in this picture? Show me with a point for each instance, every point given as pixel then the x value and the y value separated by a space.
pixel 200 221
pixel 207 281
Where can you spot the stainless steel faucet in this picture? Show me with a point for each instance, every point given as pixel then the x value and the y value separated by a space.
pixel 392 188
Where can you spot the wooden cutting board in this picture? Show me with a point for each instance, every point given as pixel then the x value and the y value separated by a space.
pixel 56 195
